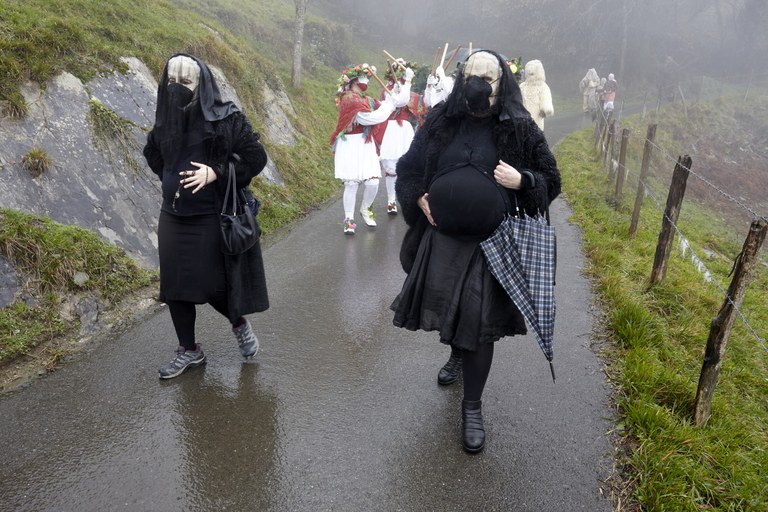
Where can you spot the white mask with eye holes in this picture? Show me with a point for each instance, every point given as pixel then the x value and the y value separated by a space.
pixel 184 70
pixel 485 67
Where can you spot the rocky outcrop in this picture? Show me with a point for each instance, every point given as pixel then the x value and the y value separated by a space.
pixel 91 135
pixel 98 179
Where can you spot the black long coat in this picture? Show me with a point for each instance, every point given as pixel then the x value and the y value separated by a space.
pixel 519 142
pixel 246 281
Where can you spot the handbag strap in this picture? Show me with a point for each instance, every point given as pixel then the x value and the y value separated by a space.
pixel 231 188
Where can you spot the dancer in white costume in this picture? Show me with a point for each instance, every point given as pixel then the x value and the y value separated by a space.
pixel 439 87
pixel 537 98
pixel 399 132
pixel 359 129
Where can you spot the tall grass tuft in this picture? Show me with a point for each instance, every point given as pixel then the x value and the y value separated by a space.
pixel 36 162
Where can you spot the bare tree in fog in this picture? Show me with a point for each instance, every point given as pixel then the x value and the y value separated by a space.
pixel 298 37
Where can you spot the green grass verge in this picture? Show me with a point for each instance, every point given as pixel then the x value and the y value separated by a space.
pixel 659 334
pixel 49 255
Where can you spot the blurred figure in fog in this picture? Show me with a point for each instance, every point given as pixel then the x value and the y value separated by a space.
pixel 537 97
pixel 588 88
pixel 600 88
pixel 609 93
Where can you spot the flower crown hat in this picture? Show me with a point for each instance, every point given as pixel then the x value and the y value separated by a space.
pixel 399 65
pixel 352 73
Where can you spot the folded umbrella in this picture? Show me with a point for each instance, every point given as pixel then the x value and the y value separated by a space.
pixel 521 256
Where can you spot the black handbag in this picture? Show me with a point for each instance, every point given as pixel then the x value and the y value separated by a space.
pixel 239 229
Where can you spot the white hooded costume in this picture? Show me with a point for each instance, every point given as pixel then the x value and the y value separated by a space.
pixel 537 98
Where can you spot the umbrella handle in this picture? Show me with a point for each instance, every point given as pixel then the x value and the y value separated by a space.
pixel 552 369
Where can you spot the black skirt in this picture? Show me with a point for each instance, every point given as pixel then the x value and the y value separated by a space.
pixel 191 262
pixel 450 289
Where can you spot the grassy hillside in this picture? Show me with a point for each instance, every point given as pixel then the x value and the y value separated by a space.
pixel 659 333
pixel 250 41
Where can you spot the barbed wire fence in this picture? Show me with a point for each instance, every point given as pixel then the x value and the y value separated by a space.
pixel 608 135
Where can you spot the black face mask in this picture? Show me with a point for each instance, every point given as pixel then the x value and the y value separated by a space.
pixel 179 96
pixel 478 94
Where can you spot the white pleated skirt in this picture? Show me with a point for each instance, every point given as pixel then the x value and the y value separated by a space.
pixel 356 160
pixel 397 140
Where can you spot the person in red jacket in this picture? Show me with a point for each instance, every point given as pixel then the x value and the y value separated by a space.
pixel 399 133
pixel 354 141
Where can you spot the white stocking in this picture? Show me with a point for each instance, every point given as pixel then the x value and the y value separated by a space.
pixel 369 192
pixel 350 196
pixel 391 188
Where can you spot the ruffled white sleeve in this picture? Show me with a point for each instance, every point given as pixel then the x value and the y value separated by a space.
pixel 378 116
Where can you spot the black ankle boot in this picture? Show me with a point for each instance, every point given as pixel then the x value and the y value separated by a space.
pixel 472 426
pixel 451 371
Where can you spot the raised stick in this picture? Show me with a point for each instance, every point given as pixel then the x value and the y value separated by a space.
pixel 374 75
pixel 452 56
pixel 445 50
pixel 434 62
pixel 470 47
pixel 389 55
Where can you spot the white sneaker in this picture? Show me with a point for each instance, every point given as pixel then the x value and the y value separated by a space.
pixel 349 226
pixel 368 216
pixel 392 208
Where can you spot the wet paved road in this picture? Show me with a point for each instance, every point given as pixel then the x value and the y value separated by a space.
pixel 341 411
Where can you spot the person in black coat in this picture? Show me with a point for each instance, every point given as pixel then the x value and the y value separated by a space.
pixel 478 157
pixel 194 138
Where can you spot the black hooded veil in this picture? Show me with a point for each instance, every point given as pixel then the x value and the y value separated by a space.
pixel 174 129
pixel 509 102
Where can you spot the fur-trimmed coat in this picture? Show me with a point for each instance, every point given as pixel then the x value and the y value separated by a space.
pixel 246 282
pixel 519 142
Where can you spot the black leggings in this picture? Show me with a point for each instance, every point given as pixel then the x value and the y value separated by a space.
pixel 476 365
pixel 183 315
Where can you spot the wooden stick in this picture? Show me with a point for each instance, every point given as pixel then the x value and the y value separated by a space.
pixel 434 62
pixel 470 47
pixel 391 70
pixel 374 75
pixel 445 50
pixel 452 56
pixel 389 56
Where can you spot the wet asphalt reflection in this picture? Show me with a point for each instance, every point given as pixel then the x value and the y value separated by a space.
pixel 339 411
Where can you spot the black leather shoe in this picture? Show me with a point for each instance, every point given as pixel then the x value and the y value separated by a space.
pixel 451 371
pixel 472 426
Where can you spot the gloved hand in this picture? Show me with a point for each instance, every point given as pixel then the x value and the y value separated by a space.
pixel 440 72
pixel 431 80
pixel 409 74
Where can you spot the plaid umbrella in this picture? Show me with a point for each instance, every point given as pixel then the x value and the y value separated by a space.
pixel 521 256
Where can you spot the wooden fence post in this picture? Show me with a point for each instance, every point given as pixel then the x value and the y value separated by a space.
pixel 720 331
pixel 608 151
pixel 604 131
pixel 671 213
pixel 647 150
pixel 621 171
pixel 599 124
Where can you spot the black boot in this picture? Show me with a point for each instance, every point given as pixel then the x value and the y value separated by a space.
pixel 451 371
pixel 472 427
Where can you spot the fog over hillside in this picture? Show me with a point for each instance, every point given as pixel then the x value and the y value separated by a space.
pixel 636 39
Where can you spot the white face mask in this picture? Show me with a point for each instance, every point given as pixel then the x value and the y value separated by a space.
pixel 185 71
pixel 486 66
pixel 362 80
